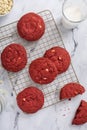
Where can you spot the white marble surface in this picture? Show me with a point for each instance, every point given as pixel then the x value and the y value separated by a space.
pixel 59 116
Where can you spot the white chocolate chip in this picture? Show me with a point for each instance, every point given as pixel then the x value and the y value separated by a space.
pixel 45 78
pixel 60 58
pixel 52 50
pixel 19 58
pixel 24 99
pixel 40 26
pixel 47 70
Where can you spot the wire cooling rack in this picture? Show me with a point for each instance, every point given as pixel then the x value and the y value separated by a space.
pixel 21 80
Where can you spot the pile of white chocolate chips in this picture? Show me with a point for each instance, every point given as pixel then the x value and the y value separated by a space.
pixel 5 6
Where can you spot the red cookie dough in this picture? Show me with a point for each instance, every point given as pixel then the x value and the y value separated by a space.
pixel 60 57
pixel 31 26
pixel 30 100
pixel 42 71
pixel 81 114
pixel 14 57
pixel 71 90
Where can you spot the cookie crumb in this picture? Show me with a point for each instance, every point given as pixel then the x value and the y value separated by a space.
pixel 1 81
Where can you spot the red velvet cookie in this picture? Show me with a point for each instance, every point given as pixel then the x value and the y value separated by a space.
pixel 71 90
pixel 30 100
pixel 14 57
pixel 31 27
pixel 42 71
pixel 81 114
pixel 60 57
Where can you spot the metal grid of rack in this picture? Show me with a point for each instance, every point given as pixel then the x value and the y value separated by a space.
pixel 36 49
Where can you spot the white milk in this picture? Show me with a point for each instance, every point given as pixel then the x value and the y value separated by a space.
pixel 72 16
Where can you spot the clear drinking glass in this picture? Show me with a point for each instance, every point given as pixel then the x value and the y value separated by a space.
pixel 73 12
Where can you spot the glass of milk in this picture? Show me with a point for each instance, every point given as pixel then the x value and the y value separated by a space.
pixel 73 12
